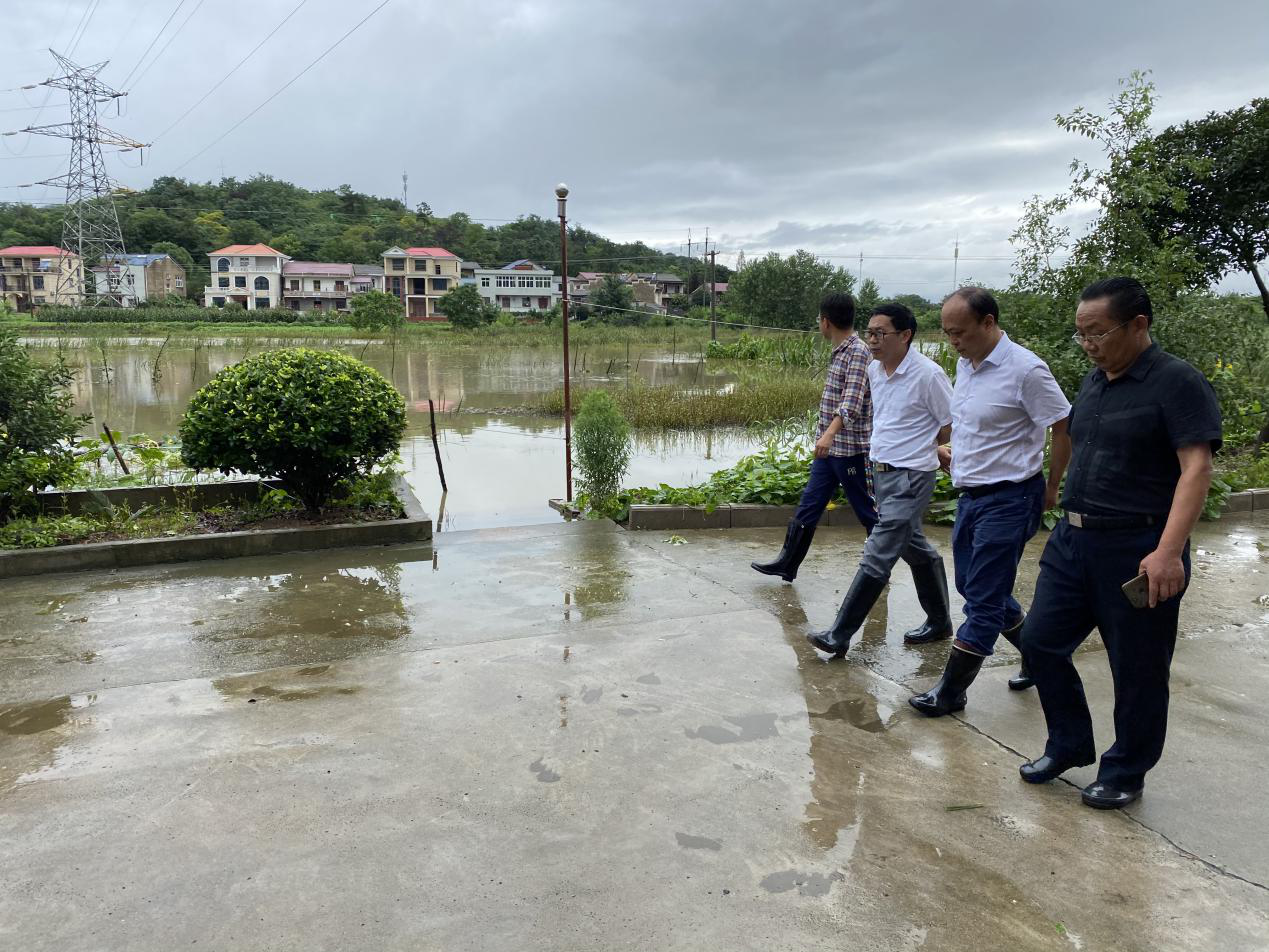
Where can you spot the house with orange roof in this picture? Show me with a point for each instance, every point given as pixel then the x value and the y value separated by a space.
pixel 30 276
pixel 249 275
pixel 420 277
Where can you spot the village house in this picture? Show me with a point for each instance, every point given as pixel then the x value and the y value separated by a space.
pixel 520 287
pixel 420 277
pixel 29 276
pixel 142 278
pixel 249 275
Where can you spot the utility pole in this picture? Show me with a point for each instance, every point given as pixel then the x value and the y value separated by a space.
pixel 861 269
pixel 956 263
pixel 713 293
pixel 90 225
pixel 561 196
pixel 405 190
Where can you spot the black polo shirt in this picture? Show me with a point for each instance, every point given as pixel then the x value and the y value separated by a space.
pixel 1125 433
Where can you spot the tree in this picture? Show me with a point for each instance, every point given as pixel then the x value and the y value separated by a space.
pixel 375 310
pixel 612 298
pixel 1219 166
pixel 785 292
pixel 1120 238
pixel 465 308
pixel 185 260
pixel 869 297
pixel 210 230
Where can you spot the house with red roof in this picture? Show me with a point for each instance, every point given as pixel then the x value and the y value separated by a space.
pixel 420 277
pixel 249 275
pixel 30 276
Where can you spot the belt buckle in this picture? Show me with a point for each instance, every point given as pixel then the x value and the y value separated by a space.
pixel 1075 519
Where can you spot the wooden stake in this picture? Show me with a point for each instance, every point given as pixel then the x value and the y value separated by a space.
pixel 436 447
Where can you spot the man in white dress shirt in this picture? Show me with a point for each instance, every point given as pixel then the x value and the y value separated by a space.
pixel 911 398
pixel 1004 399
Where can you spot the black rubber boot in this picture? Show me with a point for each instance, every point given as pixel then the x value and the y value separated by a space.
pixel 1013 634
pixel 862 595
pixel 948 696
pixel 797 542
pixel 931 586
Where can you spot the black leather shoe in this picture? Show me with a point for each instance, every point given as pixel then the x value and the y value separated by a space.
pixel 797 542
pixel 948 696
pixel 862 595
pixel 931 587
pixel 1013 634
pixel 1102 796
pixel 1046 768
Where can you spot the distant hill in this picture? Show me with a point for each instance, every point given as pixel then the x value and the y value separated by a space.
pixel 329 225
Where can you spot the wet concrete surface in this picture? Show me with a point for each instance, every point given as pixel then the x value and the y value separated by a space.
pixel 572 737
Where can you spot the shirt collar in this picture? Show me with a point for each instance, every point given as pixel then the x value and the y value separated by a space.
pixel 843 345
pixel 1140 367
pixel 909 360
pixel 998 355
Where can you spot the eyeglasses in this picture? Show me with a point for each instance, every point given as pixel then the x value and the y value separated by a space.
pixel 873 334
pixel 1096 339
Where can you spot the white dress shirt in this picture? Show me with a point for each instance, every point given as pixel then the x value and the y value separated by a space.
pixel 1000 410
pixel 909 407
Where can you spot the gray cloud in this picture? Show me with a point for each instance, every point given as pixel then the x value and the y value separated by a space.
pixel 892 127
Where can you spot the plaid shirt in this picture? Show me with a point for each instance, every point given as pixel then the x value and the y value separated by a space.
pixel 846 393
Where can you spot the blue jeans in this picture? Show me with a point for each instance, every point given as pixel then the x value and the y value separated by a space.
pixel 827 473
pixel 987 543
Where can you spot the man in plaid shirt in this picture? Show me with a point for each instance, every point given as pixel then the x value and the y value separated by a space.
pixel 841 445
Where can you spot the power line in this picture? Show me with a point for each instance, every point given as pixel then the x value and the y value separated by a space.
pixel 159 54
pixel 175 11
pixel 203 98
pixel 284 87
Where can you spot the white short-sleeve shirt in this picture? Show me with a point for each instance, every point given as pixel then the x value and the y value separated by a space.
pixel 1000 410
pixel 909 407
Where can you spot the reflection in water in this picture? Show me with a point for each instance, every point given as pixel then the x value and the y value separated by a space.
pixel 502 462
pixel 35 735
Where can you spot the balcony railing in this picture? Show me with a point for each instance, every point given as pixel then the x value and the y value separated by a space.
pixel 310 293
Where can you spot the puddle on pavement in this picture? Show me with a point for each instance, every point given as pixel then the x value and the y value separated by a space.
pixel 544 773
pixel 689 842
pixel 35 717
pixel 749 727
pixel 861 712
pixel 251 688
pixel 807 884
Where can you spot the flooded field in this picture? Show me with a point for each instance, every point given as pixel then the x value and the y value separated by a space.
pixel 502 460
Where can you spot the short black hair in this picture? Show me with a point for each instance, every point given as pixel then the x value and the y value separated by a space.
pixel 838 308
pixel 1127 297
pixel 980 301
pixel 900 316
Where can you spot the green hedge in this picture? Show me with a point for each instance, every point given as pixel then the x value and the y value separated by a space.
pixel 188 315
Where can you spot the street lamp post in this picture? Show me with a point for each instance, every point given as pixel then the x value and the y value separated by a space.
pixel 561 195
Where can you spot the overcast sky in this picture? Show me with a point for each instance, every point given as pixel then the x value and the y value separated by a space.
pixel 889 128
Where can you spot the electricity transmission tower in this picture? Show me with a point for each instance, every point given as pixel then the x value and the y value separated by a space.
pixel 90 227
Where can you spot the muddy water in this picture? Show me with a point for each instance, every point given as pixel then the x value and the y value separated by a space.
pixel 502 464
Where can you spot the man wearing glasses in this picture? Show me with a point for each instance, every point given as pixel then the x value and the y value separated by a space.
pixel 1003 400
pixel 1143 430
pixel 841 445
pixel 911 401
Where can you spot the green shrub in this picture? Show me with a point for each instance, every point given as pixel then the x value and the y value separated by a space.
pixel 601 444
pixel 375 310
pixel 36 426
pixel 183 314
pixel 308 418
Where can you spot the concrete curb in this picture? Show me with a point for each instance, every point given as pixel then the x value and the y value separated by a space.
pixel 747 516
pixel 415 527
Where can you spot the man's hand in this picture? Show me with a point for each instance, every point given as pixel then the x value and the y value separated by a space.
pixel 1165 573
pixel 823 445
pixel 1050 497
pixel 945 458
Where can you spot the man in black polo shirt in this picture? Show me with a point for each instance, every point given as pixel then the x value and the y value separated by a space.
pixel 1143 430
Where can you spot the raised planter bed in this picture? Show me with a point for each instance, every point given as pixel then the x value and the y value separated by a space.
pixel 416 526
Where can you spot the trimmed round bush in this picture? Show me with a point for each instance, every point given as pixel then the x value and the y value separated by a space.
pixel 308 418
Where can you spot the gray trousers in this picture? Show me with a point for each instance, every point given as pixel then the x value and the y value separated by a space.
pixel 902 498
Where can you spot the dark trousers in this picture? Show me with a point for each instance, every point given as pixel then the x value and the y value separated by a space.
pixel 1081 572
pixel 987 542
pixel 829 472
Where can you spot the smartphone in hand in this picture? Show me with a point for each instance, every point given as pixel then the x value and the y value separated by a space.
pixel 1137 591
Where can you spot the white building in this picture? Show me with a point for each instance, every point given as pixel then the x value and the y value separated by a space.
pixel 520 287
pixel 143 278
pixel 250 275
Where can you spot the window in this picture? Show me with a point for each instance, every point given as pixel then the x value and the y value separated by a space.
pixel 317 305
pixel 262 284
pixel 440 284
pixel 526 302
pixel 341 303
pixel 218 302
pixel 420 265
pixel 222 281
pixel 261 303
pixel 240 280
pixel 398 264
pixel 484 281
pixel 39 299
pixel 222 264
pixel 37 282
pixel 295 284
pixel 244 264
pixel 180 282
pixel 317 285
pixel 438 267
pixel 339 286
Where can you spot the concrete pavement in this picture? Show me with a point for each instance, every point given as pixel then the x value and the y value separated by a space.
pixel 573 737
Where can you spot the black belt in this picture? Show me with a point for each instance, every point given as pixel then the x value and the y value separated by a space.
pixel 977 492
pixel 883 467
pixel 1082 521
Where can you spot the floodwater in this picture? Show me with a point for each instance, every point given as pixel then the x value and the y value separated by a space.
pixel 502 462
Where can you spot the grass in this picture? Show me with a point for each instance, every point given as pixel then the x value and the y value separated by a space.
pixel 651 408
